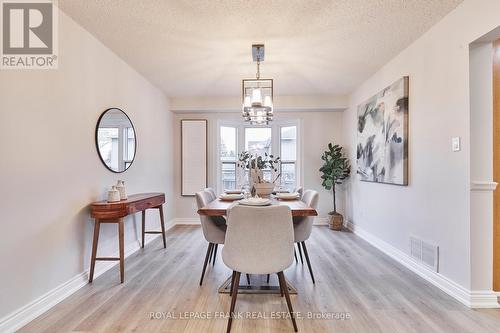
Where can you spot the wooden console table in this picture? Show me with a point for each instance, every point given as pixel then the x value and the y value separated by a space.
pixel 115 212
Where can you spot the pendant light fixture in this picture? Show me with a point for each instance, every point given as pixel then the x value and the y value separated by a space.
pixel 257 94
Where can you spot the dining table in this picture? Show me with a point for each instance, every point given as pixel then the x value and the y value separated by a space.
pixel 257 284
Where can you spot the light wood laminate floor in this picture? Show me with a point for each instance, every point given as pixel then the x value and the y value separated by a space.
pixel 352 277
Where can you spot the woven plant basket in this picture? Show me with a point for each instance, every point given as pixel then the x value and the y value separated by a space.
pixel 336 221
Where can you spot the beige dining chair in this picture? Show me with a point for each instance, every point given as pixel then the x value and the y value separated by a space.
pixel 302 227
pixel 214 229
pixel 298 190
pixel 212 192
pixel 218 220
pixel 259 240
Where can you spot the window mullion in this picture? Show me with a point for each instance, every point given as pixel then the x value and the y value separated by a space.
pixel 240 134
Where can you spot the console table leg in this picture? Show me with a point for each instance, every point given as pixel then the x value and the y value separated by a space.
pixel 162 222
pixel 97 224
pixel 122 254
pixel 143 226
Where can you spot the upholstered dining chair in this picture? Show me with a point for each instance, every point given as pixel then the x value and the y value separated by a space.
pixel 218 220
pixel 254 233
pixel 302 227
pixel 214 229
pixel 298 190
pixel 212 192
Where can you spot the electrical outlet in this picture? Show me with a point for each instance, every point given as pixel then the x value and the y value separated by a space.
pixel 455 144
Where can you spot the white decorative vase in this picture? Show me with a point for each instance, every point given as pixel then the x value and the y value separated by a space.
pixel 264 190
pixel 113 195
pixel 120 186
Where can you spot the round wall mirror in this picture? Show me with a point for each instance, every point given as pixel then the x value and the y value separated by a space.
pixel 115 140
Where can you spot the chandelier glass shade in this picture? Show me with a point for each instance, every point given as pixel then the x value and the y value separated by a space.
pixel 258 101
pixel 257 94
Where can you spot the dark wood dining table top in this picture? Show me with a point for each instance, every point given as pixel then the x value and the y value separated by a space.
pixel 219 207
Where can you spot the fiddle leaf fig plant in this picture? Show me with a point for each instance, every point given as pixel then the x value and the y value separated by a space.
pixel 335 169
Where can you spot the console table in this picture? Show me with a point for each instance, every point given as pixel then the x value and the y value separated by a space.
pixel 115 212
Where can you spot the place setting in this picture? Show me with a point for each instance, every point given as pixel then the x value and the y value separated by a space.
pixel 244 198
pixel 231 196
pixel 287 196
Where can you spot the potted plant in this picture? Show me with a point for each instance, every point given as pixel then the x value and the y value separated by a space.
pixel 335 169
pixel 255 165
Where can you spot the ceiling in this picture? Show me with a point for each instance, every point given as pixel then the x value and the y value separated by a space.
pixel 203 48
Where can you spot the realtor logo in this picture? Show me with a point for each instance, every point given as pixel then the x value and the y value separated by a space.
pixel 29 31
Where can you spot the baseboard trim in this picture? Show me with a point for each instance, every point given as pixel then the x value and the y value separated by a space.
pixel 472 299
pixel 196 221
pixel 27 313
pixel 42 304
pixel 483 299
pixel 187 220
pixel 321 221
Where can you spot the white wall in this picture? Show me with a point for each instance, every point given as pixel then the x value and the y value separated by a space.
pixel 436 204
pixel 50 170
pixel 317 128
pixel 481 169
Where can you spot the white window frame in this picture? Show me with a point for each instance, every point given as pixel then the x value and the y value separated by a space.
pixel 218 161
pixel 275 147
pixel 298 153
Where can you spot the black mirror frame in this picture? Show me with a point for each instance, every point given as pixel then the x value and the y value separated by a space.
pixel 97 145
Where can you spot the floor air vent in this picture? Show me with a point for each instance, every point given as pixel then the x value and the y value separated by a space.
pixel 425 253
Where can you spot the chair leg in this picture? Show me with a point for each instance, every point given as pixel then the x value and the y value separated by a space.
pixel 281 287
pixel 308 262
pixel 248 278
pixel 268 275
pixel 295 255
pixel 232 282
pixel 284 288
pixel 209 250
pixel 233 300
pixel 215 252
pixel 300 253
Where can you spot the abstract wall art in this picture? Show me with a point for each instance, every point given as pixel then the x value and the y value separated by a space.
pixel 382 149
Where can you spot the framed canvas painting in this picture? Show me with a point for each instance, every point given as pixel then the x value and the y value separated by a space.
pixel 382 145
pixel 194 161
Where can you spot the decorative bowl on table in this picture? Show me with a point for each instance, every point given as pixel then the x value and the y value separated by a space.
pixel 231 196
pixel 264 190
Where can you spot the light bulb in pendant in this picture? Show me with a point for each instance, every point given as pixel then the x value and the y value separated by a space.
pixel 256 97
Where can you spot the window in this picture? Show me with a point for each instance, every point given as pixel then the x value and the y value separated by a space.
pixel 108 140
pixel 128 146
pixel 278 139
pixel 288 149
pixel 258 142
pixel 228 157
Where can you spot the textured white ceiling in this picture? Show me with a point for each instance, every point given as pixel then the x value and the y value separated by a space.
pixel 203 48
